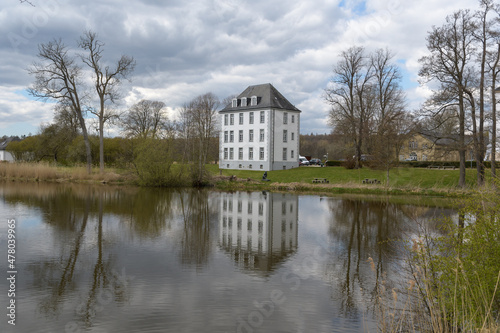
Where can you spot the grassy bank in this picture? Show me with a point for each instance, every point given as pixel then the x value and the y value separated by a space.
pixel 403 181
pixel 341 180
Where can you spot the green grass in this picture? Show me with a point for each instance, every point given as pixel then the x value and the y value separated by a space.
pixel 405 178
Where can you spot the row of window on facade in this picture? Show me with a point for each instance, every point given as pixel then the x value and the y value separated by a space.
pixel 228 206
pixel 227 222
pixel 229 118
pixel 414 145
pixel 229 153
pixel 244 101
pixel 229 136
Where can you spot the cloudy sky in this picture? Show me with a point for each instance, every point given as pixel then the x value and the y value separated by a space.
pixel 184 48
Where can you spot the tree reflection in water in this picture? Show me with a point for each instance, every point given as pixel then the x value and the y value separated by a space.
pixel 359 230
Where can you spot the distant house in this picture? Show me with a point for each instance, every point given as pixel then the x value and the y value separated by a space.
pixel 4 142
pixel 260 131
pixel 427 146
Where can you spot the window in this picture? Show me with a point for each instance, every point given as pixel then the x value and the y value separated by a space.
pixel 293 118
pixel 240 154
pixel 250 207
pixel 225 153
pixel 285 117
pixel 243 101
pixel 261 153
pixel 231 119
pixel 231 136
pixel 225 119
pixel 241 118
pixel 235 102
pixel 249 225
pixel 226 136
pixel 251 118
pixel 240 135
pixel 291 154
pixel 285 135
pixel 261 136
pixel 250 135
pixel 254 100
pixel 284 154
pixel 250 153
pixel 262 117
pixel 231 153
pixel 261 209
pixel 293 136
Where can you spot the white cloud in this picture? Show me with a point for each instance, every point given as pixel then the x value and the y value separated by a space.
pixel 184 49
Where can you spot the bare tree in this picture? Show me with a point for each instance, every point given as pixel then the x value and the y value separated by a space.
pixel 106 82
pixel 350 96
pixel 389 110
pixel 145 119
pixel 58 77
pixel 201 116
pixel 451 48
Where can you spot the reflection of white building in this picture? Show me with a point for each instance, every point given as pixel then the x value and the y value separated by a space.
pixel 258 229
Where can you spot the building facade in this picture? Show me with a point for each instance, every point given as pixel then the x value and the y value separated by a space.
pixel 260 131
pixel 433 147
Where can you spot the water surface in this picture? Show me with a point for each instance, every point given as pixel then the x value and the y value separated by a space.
pixel 120 259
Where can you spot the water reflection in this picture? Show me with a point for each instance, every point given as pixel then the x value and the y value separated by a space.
pixel 101 258
pixel 258 229
pixel 366 244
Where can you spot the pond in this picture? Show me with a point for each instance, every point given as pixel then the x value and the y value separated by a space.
pixel 123 259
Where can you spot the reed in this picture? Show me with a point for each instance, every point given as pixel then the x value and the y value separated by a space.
pixel 453 280
pixel 44 171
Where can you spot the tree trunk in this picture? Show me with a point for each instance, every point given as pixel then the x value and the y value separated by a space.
pixel 101 145
pixel 461 140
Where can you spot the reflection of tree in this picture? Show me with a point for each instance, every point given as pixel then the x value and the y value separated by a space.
pixel 77 216
pixel 362 230
pixel 195 243
pixel 51 304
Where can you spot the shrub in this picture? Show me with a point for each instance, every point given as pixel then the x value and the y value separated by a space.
pixel 153 163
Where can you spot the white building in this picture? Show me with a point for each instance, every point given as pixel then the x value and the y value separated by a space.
pixel 259 230
pixel 260 131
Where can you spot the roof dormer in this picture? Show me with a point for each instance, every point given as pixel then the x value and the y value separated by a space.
pixel 253 100
pixel 243 101
pixel 234 103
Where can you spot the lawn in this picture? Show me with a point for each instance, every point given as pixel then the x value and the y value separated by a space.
pixel 399 177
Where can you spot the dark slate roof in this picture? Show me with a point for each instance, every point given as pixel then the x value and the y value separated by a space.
pixel 267 97
pixel 4 142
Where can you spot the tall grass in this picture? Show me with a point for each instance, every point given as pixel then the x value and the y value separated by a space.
pixel 44 171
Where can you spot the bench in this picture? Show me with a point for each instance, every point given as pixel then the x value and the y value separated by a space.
pixel 433 167
pixel 371 181
pixel 320 180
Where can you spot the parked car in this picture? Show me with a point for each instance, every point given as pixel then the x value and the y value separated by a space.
pixel 315 161
pixel 303 161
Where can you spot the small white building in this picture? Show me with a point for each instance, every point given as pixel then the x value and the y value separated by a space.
pixel 260 131
pixel 4 142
